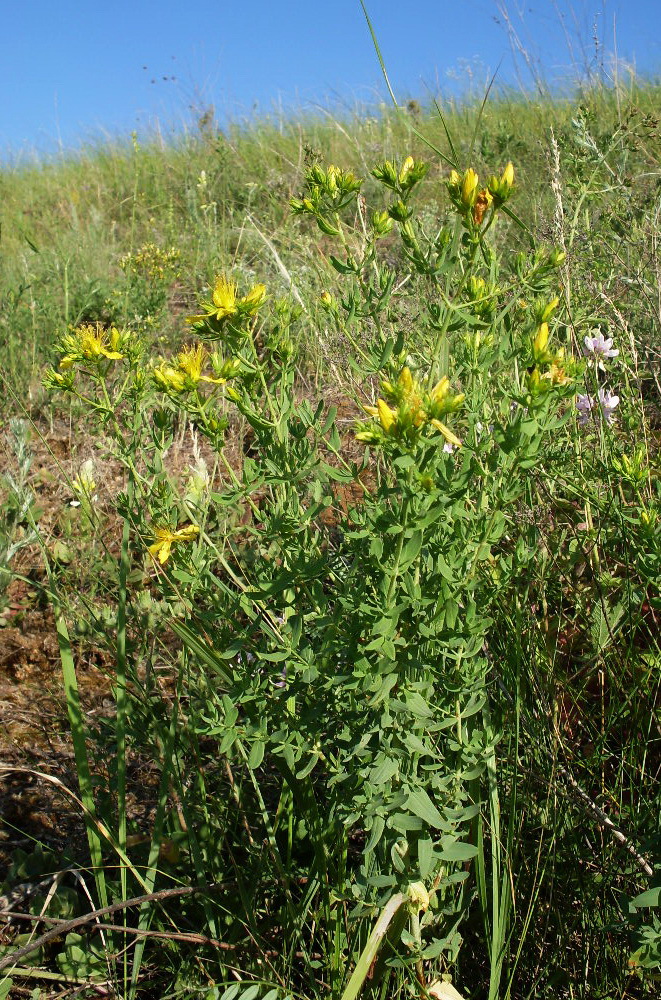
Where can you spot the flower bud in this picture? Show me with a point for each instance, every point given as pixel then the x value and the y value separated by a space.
pixel 548 311
pixel 508 175
pixel 386 415
pixel 399 212
pixel 540 342
pixel 407 167
pixel 387 174
pixel 381 223
pixel 418 897
pixel 469 188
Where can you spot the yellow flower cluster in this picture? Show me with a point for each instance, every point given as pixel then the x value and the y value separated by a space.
pixel 186 372
pixel 412 409
pixel 93 344
pixel 226 304
pixel 471 200
pixel 538 382
pixel 152 262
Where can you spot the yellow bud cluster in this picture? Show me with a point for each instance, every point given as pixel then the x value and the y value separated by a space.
pixel 408 408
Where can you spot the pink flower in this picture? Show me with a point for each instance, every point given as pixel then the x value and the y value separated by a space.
pixel 605 399
pixel 584 405
pixel 600 347
pixel 608 403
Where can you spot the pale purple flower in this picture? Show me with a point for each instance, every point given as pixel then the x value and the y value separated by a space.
pixel 448 447
pixel 608 402
pixel 605 399
pixel 600 347
pixel 584 405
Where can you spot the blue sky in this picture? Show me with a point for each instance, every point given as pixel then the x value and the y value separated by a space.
pixel 74 72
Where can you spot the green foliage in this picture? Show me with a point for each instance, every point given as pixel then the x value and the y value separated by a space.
pixel 404 597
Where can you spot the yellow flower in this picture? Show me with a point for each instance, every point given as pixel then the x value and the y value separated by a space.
pixel 187 372
pixel 441 401
pixel 386 415
pixel 540 343
pixel 224 297
pixel 440 390
pixel 191 361
pixel 225 303
pixel 89 343
pixel 407 167
pixel 557 375
pixel 169 378
pixel 161 548
pixel 56 380
pixel 251 302
pixel 501 187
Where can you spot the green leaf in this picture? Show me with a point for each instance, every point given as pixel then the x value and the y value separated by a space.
pixel 231 991
pixel 81 958
pixel 251 992
pixel 256 755
pixel 384 771
pixel 417 705
pixel 426 857
pixel 457 852
pixel 309 767
pixel 651 897
pixel 378 826
pixel 411 549
pixel 203 651
pixel 340 267
pixel 420 804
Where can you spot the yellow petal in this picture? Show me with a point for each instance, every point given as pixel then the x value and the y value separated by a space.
pixel 386 415
pixel 161 550
pixel 446 432
pixel 406 381
pixel 440 390
pixel 186 534
pixel 253 300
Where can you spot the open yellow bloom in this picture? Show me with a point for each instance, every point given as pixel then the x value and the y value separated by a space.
pixel 224 297
pixel 226 303
pixel 191 362
pixel 161 548
pixel 187 372
pixel 89 343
